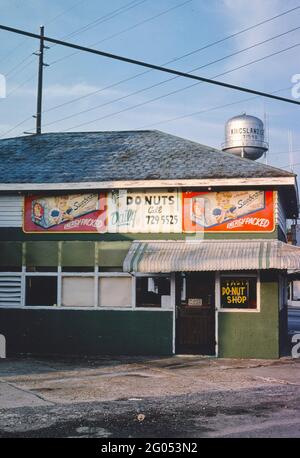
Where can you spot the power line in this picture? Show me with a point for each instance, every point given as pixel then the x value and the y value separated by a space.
pixel 150 65
pixel 124 8
pixel 175 91
pixel 31 77
pixel 147 65
pixel 21 43
pixel 17 125
pixel 203 47
pixel 207 110
pixel 25 59
pixel 125 30
pixel 170 61
pixel 105 18
pixel 247 29
pixel 64 12
pixel 101 20
pixel 9 54
pixel 167 80
pixel 20 64
pixel 162 13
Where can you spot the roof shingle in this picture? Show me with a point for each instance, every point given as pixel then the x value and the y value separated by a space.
pixel 119 155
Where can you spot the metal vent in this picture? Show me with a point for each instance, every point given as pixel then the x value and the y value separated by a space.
pixel 10 290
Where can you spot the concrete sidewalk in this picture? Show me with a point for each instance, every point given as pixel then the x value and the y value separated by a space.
pixel 30 382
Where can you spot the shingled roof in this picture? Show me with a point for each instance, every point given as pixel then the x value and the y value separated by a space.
pixel 127 155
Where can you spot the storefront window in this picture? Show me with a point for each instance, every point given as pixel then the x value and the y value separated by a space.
pixel 153 292
pixel 238 292
pixel 77 292
pixel 41 291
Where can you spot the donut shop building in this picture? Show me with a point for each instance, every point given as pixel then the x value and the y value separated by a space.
pixel 142 243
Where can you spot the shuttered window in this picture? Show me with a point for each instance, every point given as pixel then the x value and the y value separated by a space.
pixel 10 290
pixel 11 211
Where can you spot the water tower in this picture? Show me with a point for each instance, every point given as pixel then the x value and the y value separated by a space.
pixel 245 137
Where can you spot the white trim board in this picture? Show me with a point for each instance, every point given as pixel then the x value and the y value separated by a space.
pixel 131 184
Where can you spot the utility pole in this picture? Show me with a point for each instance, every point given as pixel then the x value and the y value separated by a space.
pixel 40 54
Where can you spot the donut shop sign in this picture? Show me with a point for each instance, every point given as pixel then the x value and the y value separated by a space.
pixel 153 211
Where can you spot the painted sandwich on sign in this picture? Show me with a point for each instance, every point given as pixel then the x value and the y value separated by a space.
pixel 71 213
pixel 237 211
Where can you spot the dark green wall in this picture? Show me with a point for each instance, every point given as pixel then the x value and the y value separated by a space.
pixel 80 332
pixel 81 252
pixel 18 235
pixel 10 254
pixel 250 334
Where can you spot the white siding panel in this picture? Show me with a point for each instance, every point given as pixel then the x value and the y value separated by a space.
pixel 11 211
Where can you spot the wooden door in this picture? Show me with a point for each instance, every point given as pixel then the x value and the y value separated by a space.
pixel 195 330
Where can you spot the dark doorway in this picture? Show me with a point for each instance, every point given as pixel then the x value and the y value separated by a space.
pixel 195 313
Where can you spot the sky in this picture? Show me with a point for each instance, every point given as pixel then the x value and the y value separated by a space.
pixel 119 96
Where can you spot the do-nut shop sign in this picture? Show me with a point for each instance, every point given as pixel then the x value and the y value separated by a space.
pixel 157 211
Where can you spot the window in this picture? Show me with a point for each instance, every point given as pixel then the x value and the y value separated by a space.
pixel 238 292
pixel 153 291
pixel 197 289
pixel 115 292
pixel 68 287
pixel 41 291
pixel 78 292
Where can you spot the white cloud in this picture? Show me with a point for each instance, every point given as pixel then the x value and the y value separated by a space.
pixel 69 90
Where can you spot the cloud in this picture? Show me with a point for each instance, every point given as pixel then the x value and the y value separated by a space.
pixel 69 90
